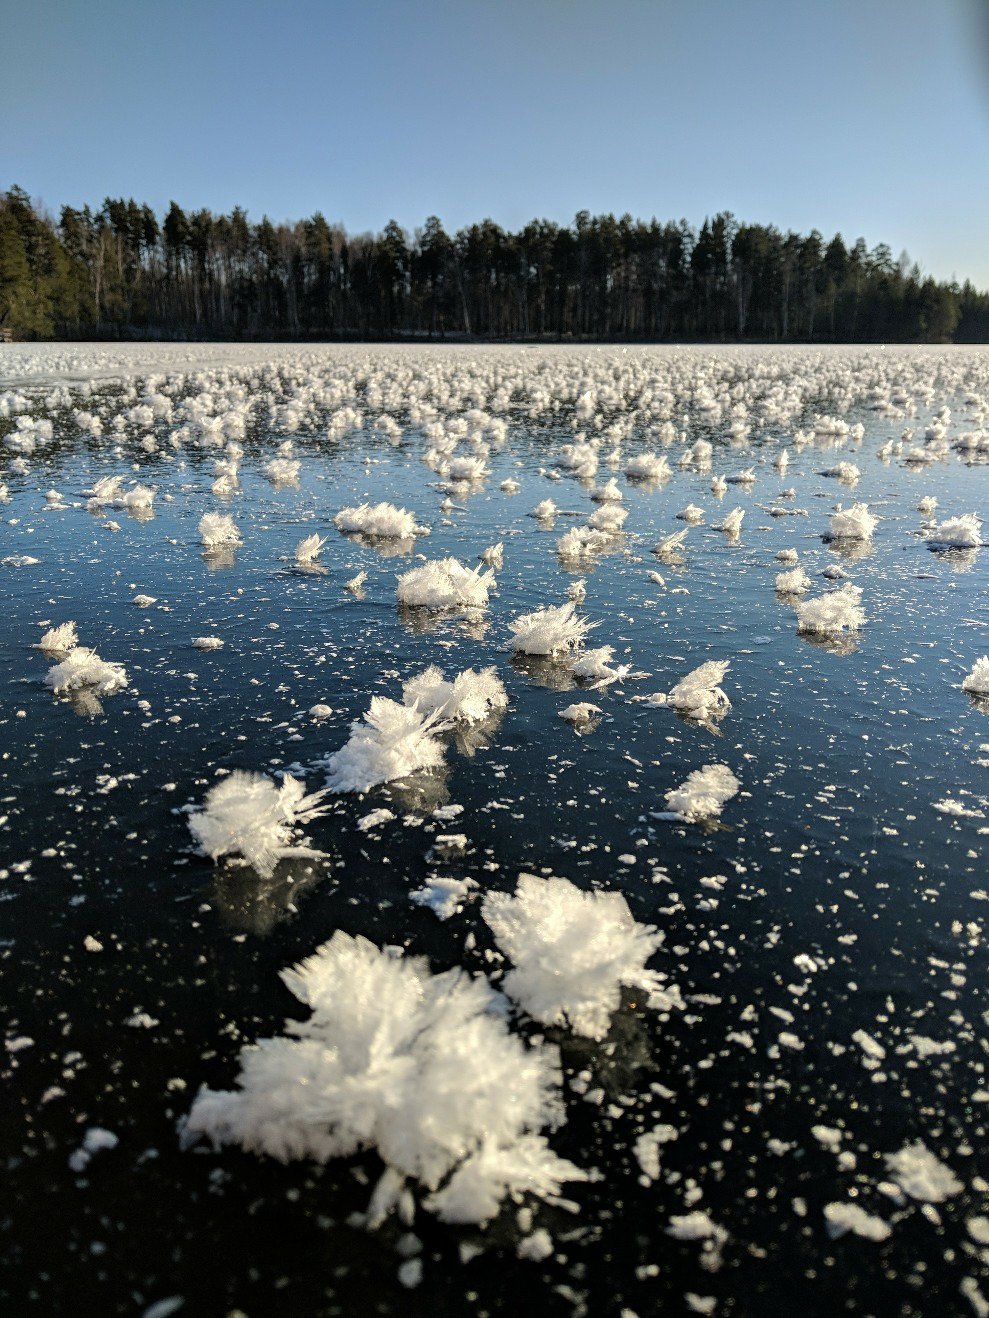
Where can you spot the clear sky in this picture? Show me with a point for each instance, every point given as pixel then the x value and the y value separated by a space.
pixel 868 117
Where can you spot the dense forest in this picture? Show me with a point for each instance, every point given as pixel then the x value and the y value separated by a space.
pixel 120 272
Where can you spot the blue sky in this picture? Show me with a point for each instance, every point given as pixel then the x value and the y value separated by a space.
pixel 866 118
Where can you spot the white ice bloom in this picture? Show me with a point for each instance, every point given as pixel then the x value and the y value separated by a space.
pixel 831 614
pixel 309 549
pixel 420 1067
pixel 444 895
pixel 106 490
pixel 544 511
pixel 669 547
pixel 596 666
pixel 356 584
pixel 963 532
pixel 62 637
pixel 494 555
pixel 381 521
pixel 608 493
pixel 467 468
pixel 549 630
pixel 582 712
pixel 572 951
pixel 792 583
pixel 445 583
pixel 216 529
pixel 787 556
pixel 704 793
pixel 208 642
pixel 469 698
pixel 391 742
pixel 255 821
pixel 854 523
pixel 647 467
pixel 719 486
pixel 283 471
pixel 921 1175
pixel 844 1217
pixel 609 517
pixel 144 601
pixel 584 542
pixel 927 506
pixel 843 471
pixel 976 683
pixel 83 669
pixel 732 524
pixel 692 515
pixel 699 694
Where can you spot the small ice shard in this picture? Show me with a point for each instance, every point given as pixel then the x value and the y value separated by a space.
pixel 83 669
pixel 218 529
pixel 657 578
pixel 549 630
pixel 444 895
pixel 309 549
pixel 704 794
pixel 854 523
pixel 62 637
pixel 510 486
pixel 572 952
pixel 380 521
pixel 374 819
pixel 254 820
pixel 831 614
pixel 356 584
pixel 494 555
pixel 420 1067
pixel 445 583
pixel 744 477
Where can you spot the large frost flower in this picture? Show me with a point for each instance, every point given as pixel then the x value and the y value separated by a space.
pixel 963 532
pixel 379 521
pixel 217 529
pixel 572 951
pixel 445 583
pixel 977 682
pixel 83 670
pixel 549 630
pixel 831 614
pixel 420 1067
pixel 256 821
pixel 855 523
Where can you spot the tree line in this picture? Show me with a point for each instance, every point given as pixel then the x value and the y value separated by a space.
pixel 121 272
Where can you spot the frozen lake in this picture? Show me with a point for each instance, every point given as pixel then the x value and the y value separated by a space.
pixel 796 1115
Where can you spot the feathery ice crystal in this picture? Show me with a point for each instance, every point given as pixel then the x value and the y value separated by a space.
pixel 62 637
pixel 572 951
pixel 418 1066
pixel 855 523
pixel 445 583
pixel 549 630
pixel 216 529
pixel 379 521
pixel 249 817
pixel 977 682
pixel 83 669
pixel 391 742
pixel 699 694
pixel 963 532
pixel 831 614
pixel 469 698
pixel 309 549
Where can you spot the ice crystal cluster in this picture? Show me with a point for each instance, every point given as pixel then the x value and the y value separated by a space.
pixel 419 1067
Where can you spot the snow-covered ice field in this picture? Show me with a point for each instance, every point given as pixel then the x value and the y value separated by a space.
pixel 494 822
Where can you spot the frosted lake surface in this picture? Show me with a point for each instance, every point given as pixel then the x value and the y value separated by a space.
pixel 813 1093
